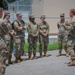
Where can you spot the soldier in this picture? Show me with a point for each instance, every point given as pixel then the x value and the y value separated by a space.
pixel 3 47
pixel 62 35
pixel 19 27
pixel 32 37
pixel 43 35
pixel 8 33
pixel 71 37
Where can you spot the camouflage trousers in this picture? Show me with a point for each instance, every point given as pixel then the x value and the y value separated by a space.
pixel 43 44
pixel 62 39
pixel 71 47
pixel 3 53
pixel 32 45
pixel 8 43
pixel 11 45
pixel 18 46
pixel 22 44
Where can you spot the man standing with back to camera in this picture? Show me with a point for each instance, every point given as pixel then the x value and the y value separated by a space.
pixel 71 37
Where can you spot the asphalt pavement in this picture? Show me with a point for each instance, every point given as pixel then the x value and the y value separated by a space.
pixel 51 65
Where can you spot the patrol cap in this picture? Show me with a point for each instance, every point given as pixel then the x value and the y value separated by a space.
pixel 62 15
pixel 6 13
pixel 19 14
pixel 43 16
pixel 31 16
pixel 72 10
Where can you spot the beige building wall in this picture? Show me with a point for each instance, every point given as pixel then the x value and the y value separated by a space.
pixel 37 7
pixel 52 10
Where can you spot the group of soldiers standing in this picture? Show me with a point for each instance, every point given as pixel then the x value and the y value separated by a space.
pixel 15 32
pixel 66 36
pixel 11 33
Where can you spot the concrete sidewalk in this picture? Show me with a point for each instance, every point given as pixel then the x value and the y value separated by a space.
pixel 51 65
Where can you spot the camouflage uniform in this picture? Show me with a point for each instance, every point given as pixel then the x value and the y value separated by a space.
pixel 3 49
pixel 62 35
pixel 71 39
pixel 20 36
pixel 43 40
pixel 7 30
pixel 32 30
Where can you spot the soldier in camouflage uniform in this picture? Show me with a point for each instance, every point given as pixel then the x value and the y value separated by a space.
pixel 62 35
pixel 8 33
pixel 19 27
pixel 3 47
pixel 32 37
pixel 71 37
pixel 43 35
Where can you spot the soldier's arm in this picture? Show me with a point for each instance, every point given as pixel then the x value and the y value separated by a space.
pixel 39 29
pixel 11 31
pixel 25 26
pixel 48 29
pixel 58 26
pixel 17 27
pixel 67 25
pixel 29 30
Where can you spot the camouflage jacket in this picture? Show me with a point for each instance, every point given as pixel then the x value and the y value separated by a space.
pixel 72 26
pixel 43 28
pixel 5 29
pixel 32 28
pixel 60 26
pixel 17 25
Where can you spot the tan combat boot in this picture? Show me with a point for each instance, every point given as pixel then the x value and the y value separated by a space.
pixel 41 56
pixel 20 58
pixel 34 57
pixel 19 61
pixel 59 54
pixel 45 55
pixel 72 63
pixel 30 58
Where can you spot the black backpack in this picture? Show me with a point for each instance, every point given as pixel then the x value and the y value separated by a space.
pixel 12 25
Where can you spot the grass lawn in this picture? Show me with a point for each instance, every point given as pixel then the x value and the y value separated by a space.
pixel 50 47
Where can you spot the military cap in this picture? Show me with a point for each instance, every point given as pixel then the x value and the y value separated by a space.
pixel 6 13
pixel 72 10
pixel 31 16
pixel 43 16
pixel 19 14
pixel 62 14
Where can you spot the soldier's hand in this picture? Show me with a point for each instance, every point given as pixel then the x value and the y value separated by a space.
pixel 24 27
pixel 21 28
pixel 44 35
pixel 11 33
pixel 63 25
pixel 35 35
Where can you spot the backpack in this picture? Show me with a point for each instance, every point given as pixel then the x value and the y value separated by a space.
pixel 18 24
pixel 12 25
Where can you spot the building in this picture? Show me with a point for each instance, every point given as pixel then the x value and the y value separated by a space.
pixel 51 8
